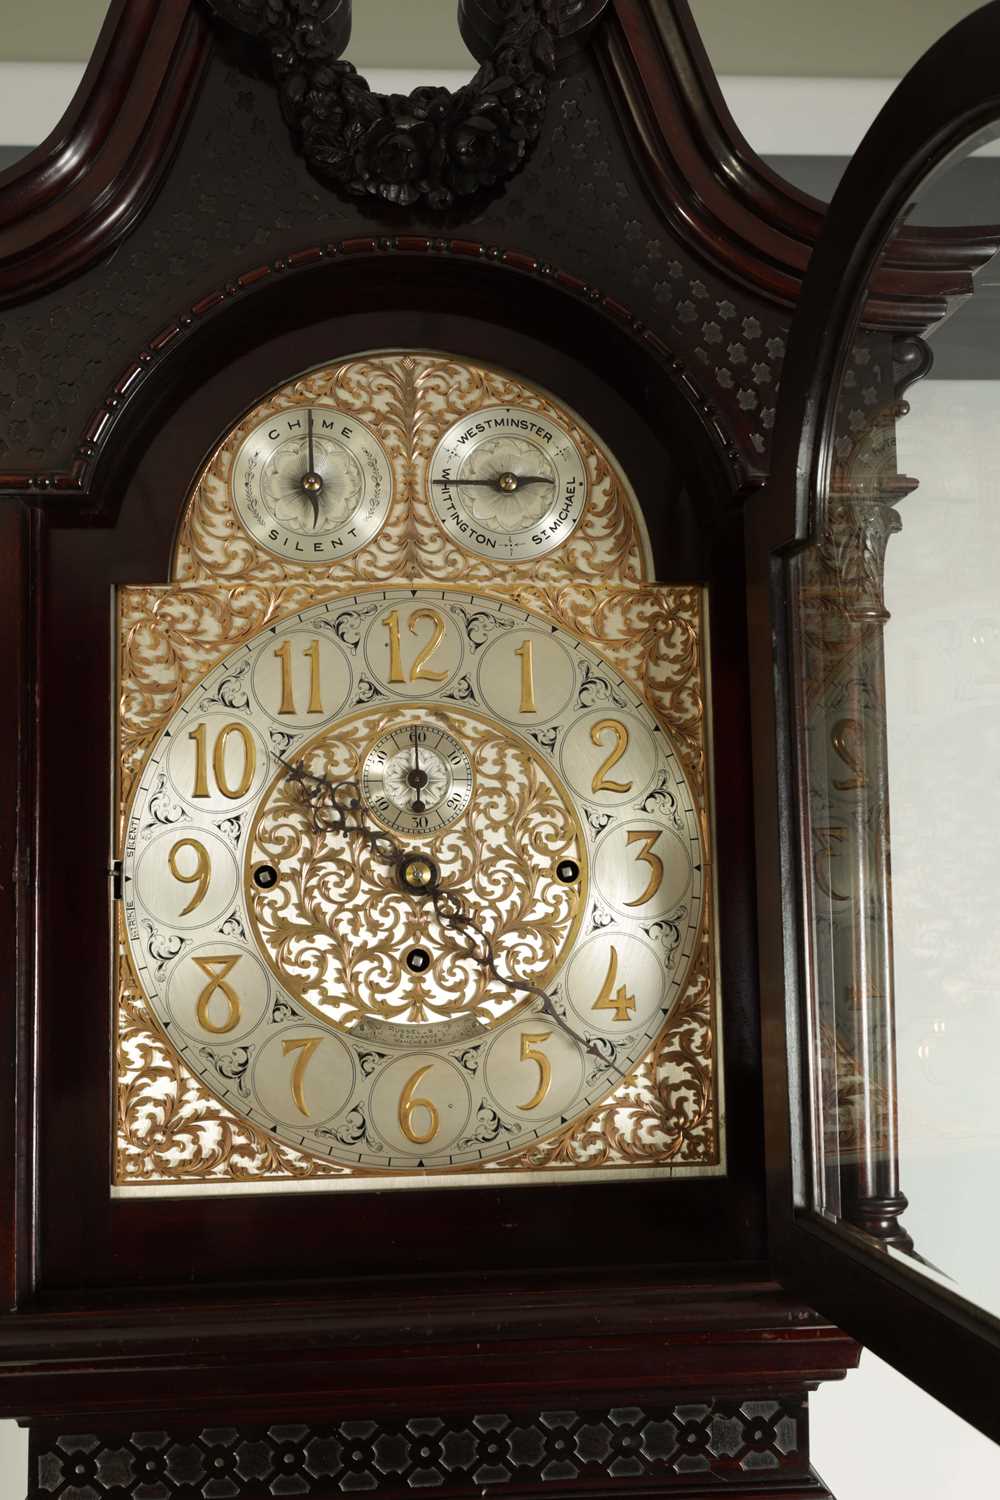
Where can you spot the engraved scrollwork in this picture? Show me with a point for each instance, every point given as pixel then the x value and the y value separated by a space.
pixel 280 742
pixel 355 1130
pixel 233 926
pixel 480 625
pixel 666 934
pixel 597 820
pixel 662 802
pixel 545 737
pixel 163 805
pixel 462 692
pixel 408 400
pixel 348 625
pixel 599 915
pixel 163 947
pixel 231 829
pixel 367 692
pixel 231 1066
pixel 596 689
pixel 489 1128
pixel 336 927
pixel 231 692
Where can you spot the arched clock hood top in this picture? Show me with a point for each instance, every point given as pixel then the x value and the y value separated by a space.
pixel 172 186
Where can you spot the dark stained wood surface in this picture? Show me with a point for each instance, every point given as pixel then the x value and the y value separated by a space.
pixel 73 197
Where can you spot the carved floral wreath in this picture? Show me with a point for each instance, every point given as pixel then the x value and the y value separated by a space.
pixel 431 144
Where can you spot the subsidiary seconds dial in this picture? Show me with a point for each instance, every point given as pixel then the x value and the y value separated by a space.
pixel 417 778
pixel 508 482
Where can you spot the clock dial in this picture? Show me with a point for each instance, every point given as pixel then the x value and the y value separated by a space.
pixel 417 778
pixel 311 483
pixel 508 482
pixel 335 1006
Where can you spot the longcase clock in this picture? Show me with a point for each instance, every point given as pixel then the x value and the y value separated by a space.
pixel 389 1104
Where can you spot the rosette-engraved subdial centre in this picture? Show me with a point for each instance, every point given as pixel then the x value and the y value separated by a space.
pixel 508 482
pixel 417 778
pixel 310 483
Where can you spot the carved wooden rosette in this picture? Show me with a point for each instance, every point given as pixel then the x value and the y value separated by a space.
pixel 664 1113
pixel 409 400
pixel 839 620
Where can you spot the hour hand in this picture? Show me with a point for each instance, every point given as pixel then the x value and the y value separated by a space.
pixel 489 484
pixel 503 484
pixel 312 482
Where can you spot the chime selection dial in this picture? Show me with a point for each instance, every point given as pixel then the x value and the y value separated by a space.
pixel 508 482
pixel 311 484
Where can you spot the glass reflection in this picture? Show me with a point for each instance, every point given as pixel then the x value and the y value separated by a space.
pixel 896 631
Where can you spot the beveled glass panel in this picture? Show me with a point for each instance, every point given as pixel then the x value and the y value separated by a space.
pixel 896 641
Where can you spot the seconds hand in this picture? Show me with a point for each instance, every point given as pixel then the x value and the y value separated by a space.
pixel 417 781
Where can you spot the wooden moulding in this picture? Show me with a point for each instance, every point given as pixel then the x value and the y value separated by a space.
pixel 366 1348
pixel 78 194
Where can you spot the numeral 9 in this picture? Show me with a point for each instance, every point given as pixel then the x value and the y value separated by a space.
pixel 199 876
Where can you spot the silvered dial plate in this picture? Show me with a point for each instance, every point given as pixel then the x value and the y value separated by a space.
pixel 311 515
pixel 275 956
pixel 508 482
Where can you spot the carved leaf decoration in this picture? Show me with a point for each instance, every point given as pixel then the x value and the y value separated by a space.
pixel 430 146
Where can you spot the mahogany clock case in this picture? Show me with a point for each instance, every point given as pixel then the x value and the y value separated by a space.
pixel 84 1240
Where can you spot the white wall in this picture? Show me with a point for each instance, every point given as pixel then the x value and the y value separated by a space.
pixel 875 1436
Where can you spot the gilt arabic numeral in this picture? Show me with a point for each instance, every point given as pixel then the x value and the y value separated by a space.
pixel 198 877
pixel 598 733
pixel 620 1001
pixel 408 1106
